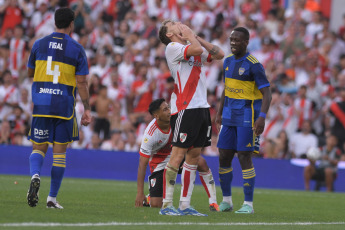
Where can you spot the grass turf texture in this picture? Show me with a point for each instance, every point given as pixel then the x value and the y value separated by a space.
pixel 105 201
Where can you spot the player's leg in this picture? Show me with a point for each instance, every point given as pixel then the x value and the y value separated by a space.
pixel 227 149
pixel 207 181
pixel 309 171
pixel 40 136
pixel 156 189
pixel 197 130
pixel 245 146
pixel 65 131
pixel 329 179
pixel 169 179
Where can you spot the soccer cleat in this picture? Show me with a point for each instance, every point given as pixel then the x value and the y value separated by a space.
pixel 170 211
pixel 146 202
pixel 225 207
pixel 246 209
pixel 191 212
pixel 51 204
pixel 214 207
pixel 33 192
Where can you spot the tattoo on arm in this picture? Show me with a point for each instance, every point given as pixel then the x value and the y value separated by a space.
pixel 214 50
pixel 86 104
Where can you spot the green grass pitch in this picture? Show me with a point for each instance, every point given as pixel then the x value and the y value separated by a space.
pixel 106 204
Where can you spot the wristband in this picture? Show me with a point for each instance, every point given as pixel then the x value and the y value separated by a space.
pixel 262 115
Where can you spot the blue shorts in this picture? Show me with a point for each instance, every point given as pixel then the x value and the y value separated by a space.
pixel 238 138
pixel 53 130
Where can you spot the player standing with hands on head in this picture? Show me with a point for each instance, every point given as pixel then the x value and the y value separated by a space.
pixel 58 65
pixel 244 103
pixel 190 121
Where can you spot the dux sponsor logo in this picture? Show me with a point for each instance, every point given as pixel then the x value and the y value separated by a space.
pixel 183 137
pixel 153 182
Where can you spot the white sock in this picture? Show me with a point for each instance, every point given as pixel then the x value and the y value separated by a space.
pixel 35 176
pixel 209 185
pixel 227 199
pixel 250 203
pixel 188 180
pixel 53 199
pixel 169 175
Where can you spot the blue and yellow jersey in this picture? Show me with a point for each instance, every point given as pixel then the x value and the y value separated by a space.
pixel 57 59
pixel 242 80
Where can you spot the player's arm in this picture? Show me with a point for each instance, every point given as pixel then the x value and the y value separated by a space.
pixel 220 111
pixel 83 90
pixel 143 161
pixel 31 72
pixel 259 124
pixel 215 51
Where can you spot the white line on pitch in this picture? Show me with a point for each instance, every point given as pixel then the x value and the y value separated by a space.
pixel 33 224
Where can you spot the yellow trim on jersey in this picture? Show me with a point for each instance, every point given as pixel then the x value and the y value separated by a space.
pixel 229 55
pixel 252 59
pixel 67 73
pixel 47 142
pixel 58 38
pixel 238 89
pixel 252 106
pixel 59 165
pixel 52 116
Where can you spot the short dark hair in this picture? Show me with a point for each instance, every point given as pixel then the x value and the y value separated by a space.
pixel 244 31
pixel 163 31
pixel 155 105
pixel 63 17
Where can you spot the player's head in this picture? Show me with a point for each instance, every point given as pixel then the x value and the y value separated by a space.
pixel 168 30
pixel 239 40
pixel 160 110
pixel 64 18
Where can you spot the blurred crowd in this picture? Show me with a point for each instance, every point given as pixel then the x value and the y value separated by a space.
pixel 304 62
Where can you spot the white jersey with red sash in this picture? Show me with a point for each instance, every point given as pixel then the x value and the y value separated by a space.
pixel 156 145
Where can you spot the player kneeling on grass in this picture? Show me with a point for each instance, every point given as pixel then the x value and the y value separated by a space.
pixel 155 150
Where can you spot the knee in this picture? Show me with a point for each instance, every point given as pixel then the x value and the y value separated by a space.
pixel 202 165
pixel 156 202
pixel 225 157
pixel 329 172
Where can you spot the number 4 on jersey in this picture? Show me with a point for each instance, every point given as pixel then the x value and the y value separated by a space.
pixel 55 72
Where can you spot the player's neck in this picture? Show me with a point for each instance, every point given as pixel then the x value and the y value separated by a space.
pixel 241 55
pixel 64 31
pixel 163 125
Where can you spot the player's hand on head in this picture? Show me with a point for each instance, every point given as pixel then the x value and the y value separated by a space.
pixel 86 118
pixel 185 31
pixel 259 126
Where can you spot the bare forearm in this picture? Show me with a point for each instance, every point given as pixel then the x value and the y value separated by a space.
pixel 84 94
pixel 194 48
pixel 214 50
pixel 221 105
pixel 141 176
pixel 266 100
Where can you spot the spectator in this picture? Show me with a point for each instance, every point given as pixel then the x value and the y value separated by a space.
pixel 103 104
pixel 327 168
pixel 131 145
pixel 302 141
pixel 12 15
pixel 8 94
pixel 5 133
pixel 337 109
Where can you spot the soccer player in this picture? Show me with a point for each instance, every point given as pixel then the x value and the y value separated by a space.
pixel 244 103
pixel 58 65
pixel 155 150
pixel 190 121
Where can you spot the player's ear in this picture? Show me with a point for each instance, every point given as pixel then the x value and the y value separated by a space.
pixel 169 35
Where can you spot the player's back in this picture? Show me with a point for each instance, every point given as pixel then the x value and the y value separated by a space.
pixel 243 78
pixel 57 59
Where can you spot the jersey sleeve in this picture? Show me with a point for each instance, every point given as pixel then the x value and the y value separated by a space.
pixel 205 56
pixel 82 66
pixel 260 76
pixel 176 52
pixel 146 146
pixel 32 58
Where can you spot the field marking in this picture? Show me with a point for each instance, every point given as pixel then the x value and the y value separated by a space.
pixel 33 224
